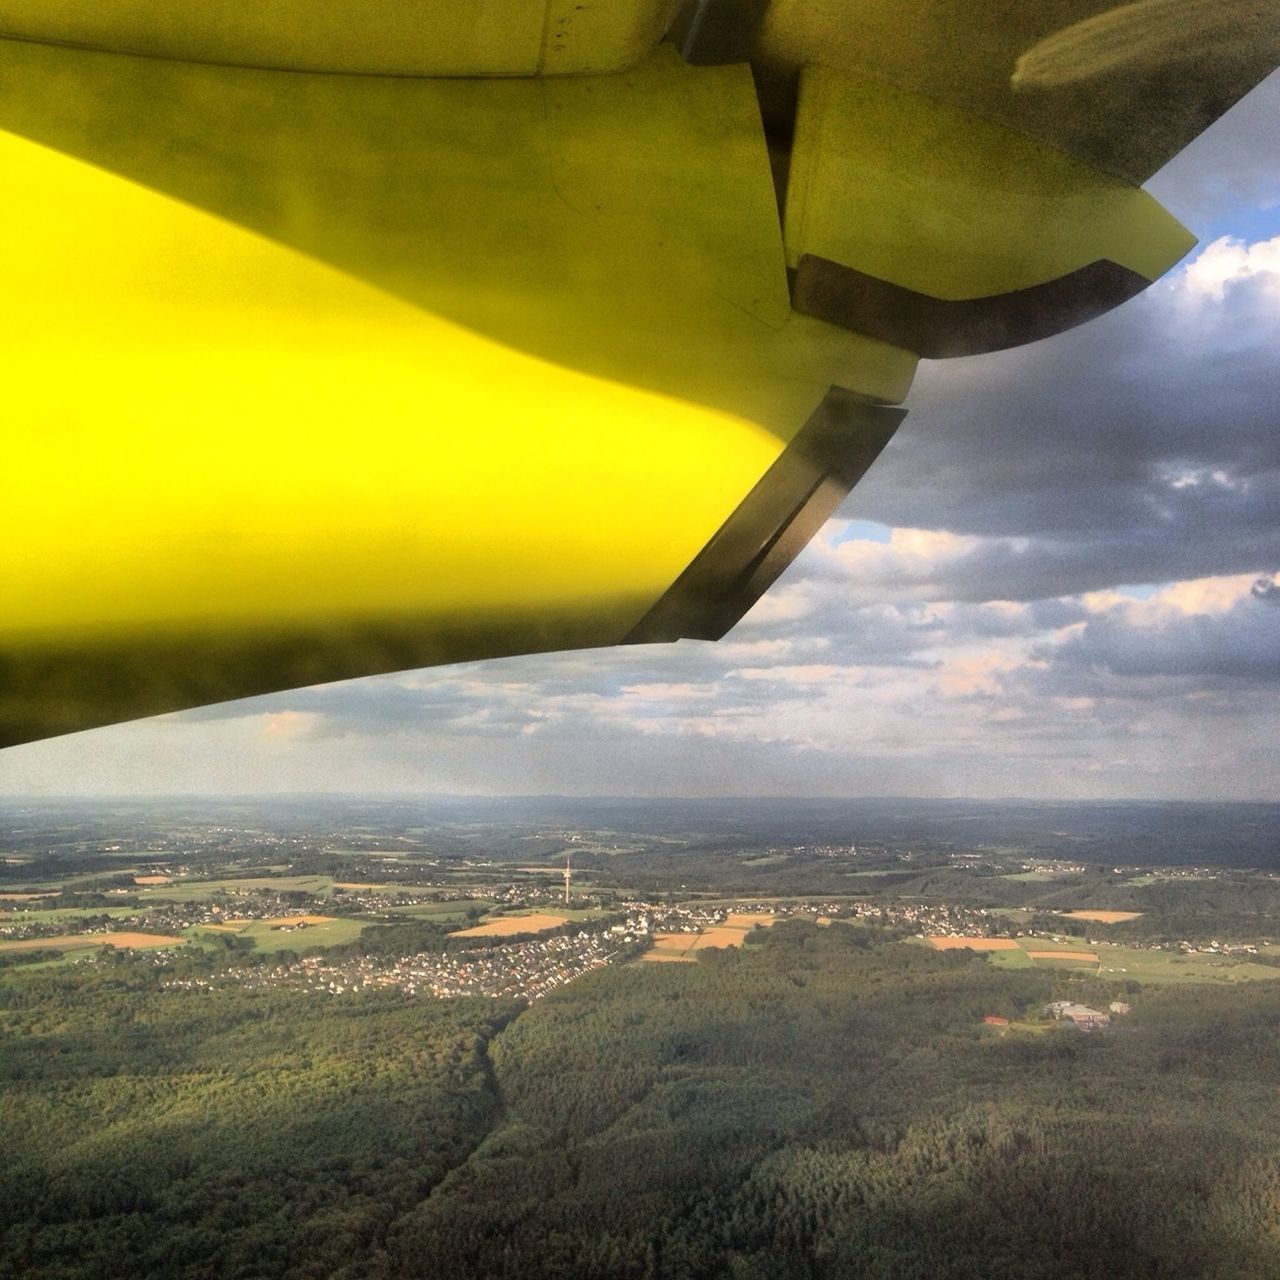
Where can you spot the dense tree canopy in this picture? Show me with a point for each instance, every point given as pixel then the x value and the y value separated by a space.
pixel 820 1103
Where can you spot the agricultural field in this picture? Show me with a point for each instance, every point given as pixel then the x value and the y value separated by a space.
pixel 56 915
pixel 683 946
pixel 442 913
pixel 1103 917
pixel 508 926
pixel 283 933
pixel 1069 959
pixel 77 941
pixel 974 944
pixel 196 890
pixel 1139 964
pixel 1166 967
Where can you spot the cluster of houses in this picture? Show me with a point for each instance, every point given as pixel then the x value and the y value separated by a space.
pixel 517 970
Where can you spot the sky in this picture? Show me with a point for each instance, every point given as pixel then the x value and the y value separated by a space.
pixel 1061 580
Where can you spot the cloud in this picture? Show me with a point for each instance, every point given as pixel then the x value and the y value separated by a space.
pixel 1207 632
pixel 1228 261
pixel 1140 447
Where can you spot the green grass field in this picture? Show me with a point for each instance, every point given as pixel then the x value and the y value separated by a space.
pixel 440 912
pixel 1171 967
pixel 196 890
pixel 333 933
pixel 56 915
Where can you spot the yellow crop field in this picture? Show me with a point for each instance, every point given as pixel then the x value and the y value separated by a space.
pixel 671 947
pixel 975 944
pixel 74 941
pixel 23 897
pixel 505 926
pixel 157 879
pixel 1103 917
pixel 720 937
pixel 681 946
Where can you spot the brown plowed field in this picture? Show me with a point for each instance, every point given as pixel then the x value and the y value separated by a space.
pixel 975 944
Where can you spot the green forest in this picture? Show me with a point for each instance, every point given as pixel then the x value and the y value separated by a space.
pixel 821 1103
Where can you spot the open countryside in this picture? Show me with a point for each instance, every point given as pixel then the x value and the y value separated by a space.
pixel 410 1036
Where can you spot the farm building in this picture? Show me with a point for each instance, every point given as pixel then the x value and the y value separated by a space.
pixel 1079 1015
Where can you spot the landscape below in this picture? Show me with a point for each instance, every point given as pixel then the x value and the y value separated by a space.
pixel 427 1039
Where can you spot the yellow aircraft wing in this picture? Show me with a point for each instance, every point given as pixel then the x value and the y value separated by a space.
pixel 350 341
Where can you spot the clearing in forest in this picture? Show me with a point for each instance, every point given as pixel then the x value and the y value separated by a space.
pixel 1103 917
pixel 505 926
pixel 975 944
pixel 72 941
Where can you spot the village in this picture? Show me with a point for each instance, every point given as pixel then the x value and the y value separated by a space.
pixel 518 971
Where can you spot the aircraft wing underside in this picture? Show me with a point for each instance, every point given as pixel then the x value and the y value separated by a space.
pixel 394 334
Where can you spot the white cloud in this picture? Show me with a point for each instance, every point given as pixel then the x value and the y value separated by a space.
pixel 1227 261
